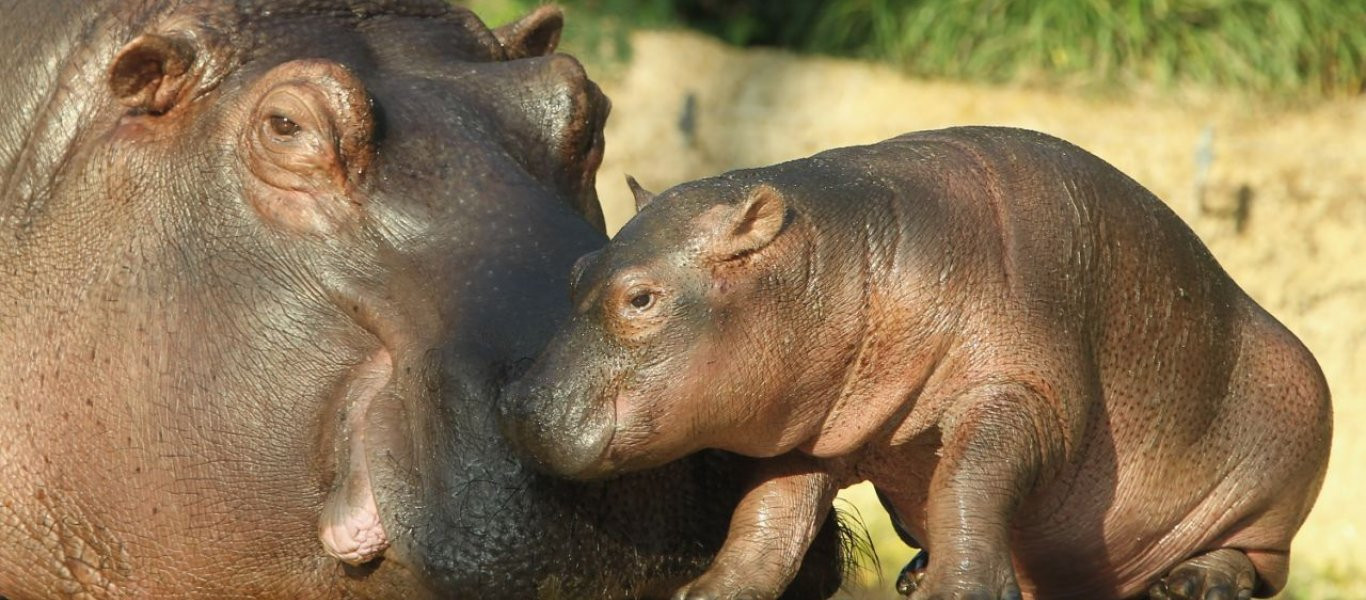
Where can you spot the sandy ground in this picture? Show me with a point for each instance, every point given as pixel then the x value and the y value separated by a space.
pixel 1283 204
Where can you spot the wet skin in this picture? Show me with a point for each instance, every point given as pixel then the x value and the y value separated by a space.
pixel 1049 379
pixel 264 267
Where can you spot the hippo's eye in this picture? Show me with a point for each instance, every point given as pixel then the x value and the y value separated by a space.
pixel 639 300
pixel 642 300
pixel 638 312
pixel 283 126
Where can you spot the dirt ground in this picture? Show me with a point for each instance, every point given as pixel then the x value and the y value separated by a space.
pixel 1279 196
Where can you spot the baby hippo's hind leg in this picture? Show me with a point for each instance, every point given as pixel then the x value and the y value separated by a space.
pixel 1223 574
pixel 770 531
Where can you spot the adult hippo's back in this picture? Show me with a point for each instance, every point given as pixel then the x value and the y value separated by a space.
pixel 263 267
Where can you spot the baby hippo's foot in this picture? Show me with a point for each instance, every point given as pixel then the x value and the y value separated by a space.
pixel 913 573
pixel 714 585
pixel 973 579
pixel 1224 574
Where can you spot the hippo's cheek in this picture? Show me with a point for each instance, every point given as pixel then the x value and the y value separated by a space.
pixel 350 527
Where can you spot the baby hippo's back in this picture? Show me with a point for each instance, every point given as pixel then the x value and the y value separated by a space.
pixel 1194 419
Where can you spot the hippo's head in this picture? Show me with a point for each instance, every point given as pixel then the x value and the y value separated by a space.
pixel 681 339
pixel 266 267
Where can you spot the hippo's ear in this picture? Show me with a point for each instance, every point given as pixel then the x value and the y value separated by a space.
pixel 643 196
pixel 153 72
pixel 536 34
pixel 753 224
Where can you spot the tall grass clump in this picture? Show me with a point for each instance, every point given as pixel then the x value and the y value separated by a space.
pixel 1314 47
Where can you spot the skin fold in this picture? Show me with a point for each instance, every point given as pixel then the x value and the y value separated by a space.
pixel 1053 385
pixel 265 267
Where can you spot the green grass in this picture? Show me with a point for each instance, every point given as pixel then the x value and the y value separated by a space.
pixel 1304 48
pixel 1267 46
pixel 595 31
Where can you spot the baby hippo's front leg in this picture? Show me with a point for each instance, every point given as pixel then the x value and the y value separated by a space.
pixel 770 531
pixel 997 441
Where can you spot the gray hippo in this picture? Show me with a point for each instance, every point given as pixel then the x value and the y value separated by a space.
pixel 264 267
pixel 1046 375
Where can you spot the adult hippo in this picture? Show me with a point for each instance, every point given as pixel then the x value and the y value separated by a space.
pixel 263 267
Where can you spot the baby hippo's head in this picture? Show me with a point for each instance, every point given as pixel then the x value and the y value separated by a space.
pixel 671 345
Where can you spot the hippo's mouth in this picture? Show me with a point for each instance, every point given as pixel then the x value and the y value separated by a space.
pixel 350 528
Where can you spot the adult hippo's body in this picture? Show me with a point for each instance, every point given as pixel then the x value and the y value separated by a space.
pixel 263 268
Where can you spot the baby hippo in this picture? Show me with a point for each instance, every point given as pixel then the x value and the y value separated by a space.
pixel 1046 375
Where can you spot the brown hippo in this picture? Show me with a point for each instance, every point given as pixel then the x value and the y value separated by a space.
pixel 1044 372
pixel 264 266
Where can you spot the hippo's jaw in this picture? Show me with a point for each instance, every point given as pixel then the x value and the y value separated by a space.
pixel 350 527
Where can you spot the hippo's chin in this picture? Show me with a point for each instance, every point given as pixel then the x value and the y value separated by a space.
pixel 350 527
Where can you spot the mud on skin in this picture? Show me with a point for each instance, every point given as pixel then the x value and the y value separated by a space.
pixel 264 267
pixel 1048 378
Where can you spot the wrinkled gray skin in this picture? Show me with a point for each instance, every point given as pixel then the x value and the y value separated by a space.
pixel 1049 379
pixel 263 268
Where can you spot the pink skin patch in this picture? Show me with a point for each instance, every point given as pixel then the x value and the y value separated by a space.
pixel 350 528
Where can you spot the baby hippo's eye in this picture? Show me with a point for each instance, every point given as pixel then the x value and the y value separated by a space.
pixel 642 300
pixel 638 311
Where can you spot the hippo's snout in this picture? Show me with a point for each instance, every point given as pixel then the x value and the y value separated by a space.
pixel 561 431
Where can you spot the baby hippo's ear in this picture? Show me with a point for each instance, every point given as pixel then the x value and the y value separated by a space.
pixel 642 195
pixel 754 223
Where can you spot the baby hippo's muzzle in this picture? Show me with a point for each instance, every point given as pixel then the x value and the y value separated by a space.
pixel 559 430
